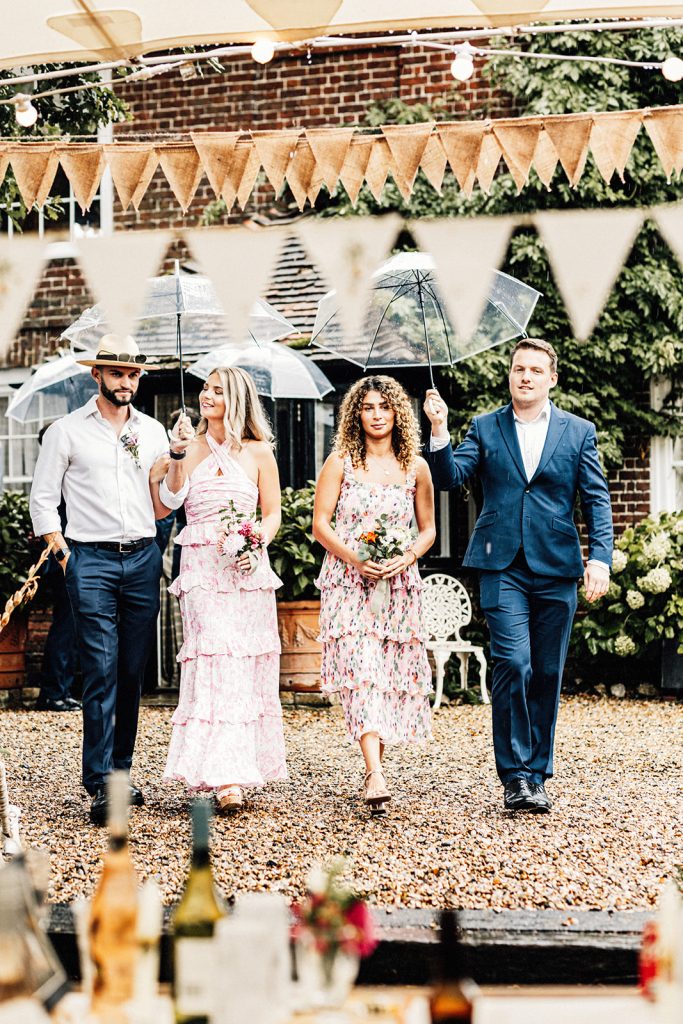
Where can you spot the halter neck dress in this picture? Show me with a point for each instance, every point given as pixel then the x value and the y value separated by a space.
pixel 376 662
pixel 227 728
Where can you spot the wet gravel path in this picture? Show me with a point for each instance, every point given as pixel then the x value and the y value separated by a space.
pixel 615 833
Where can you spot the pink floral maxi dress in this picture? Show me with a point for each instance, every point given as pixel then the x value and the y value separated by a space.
pixel 227 728
pixel 377 663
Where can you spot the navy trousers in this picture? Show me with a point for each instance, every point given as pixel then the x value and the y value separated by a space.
pixel 115 599
pixel 59 654
pixel 530 620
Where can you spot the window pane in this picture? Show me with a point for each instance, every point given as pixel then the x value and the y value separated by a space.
pixel 324 432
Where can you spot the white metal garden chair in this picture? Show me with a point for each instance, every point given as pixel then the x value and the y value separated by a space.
pixel 447 609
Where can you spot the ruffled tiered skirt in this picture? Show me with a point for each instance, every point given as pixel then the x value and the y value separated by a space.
pixel 375 661
pixel 227 728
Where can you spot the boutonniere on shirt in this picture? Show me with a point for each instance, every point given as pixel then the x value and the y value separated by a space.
pixel 131 444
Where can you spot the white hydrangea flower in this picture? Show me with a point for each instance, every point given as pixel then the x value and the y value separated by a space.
pixel 624 646
pixel 634 599
pixel 619 561
pixel 677 528
pixel 656 581
pixel 656 548
pixel 613 590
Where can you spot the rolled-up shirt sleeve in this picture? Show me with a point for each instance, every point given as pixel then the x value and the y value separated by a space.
pixel 46 490
pixel 171 500
pixel 437 443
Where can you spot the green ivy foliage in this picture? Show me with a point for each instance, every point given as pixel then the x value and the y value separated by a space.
pixel 294 553
pixel 70 114
pixel 17 552
pixel 639 335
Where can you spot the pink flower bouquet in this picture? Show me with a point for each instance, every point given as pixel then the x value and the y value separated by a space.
pixel 240 534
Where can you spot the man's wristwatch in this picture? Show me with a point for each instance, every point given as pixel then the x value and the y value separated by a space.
pixel 177 456
pixel 61 553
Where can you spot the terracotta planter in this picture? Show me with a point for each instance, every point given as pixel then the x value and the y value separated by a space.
pixel 13 652
pixel 298 624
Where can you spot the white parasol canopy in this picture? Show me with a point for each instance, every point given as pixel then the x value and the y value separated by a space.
pixel 70 30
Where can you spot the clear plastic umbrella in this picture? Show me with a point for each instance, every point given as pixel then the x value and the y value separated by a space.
pixel 181 313
pixel 278 371
pixel 407 323
pixel 57 387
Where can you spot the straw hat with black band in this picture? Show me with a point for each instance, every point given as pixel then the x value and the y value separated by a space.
pixel 115 350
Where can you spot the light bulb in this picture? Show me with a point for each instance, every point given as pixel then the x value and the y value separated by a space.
pixel 672 69
pixel 263 50
pixel 462 67
pixel 24 111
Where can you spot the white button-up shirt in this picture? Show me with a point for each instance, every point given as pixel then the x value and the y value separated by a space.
pixel 104 478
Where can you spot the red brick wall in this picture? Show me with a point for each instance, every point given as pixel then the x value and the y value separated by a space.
pixel 630 490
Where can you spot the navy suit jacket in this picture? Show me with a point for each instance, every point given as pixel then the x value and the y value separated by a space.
pixel 537 514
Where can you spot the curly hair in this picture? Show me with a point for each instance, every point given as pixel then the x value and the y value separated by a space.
pixel 350 437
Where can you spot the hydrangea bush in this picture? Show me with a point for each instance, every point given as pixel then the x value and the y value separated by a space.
pixel 645 599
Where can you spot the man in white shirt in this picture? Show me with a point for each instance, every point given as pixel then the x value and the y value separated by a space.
pixel 532 460
pixel 99 457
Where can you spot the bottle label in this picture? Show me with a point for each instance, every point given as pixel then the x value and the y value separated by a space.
pixel 194 976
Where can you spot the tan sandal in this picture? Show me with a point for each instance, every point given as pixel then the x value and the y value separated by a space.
pixel 377 801
pixel 229 799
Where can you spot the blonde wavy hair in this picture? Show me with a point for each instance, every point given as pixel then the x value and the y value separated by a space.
pixel 350 436
pixel 245 418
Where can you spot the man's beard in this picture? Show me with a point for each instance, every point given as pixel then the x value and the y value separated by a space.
pixel 118 400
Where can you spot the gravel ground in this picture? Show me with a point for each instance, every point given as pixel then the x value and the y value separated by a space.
pixel 615 832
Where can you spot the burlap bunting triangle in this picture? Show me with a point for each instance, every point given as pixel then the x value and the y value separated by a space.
pixel 4 164
pixel 250 163
pixel 611 142
pixel 34 166
pixel 466 253
pixel 183 169
pixel 352 173
pixel 21 263
pixel 489 158
pixel 132 166
pixel 570 136
pixel 407 144
pixel 587 249
pixel 117 268
pixel 434 162
pixel 378 167
pixel 250 257
pixel 665 128
pixel 518 140
pixel 545 158
pixel 275 150
pixel 330 148
pixel 300 171
pixel 462 144
pixel 669 220
pixel 216 151
pixel 83 165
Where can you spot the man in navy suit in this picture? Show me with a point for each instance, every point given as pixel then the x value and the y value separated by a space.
pixel 532 460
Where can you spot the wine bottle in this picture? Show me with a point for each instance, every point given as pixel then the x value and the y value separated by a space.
pixel 29 967
pixel 114 908
pixel 454 994
pixel 194 921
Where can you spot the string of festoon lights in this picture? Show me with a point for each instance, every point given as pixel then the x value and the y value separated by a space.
pixel 461 43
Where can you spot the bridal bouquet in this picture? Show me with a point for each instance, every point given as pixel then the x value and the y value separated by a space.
pixel 380 544
pixel 240 534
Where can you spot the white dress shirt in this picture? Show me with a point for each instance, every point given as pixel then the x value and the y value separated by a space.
pixel 531 436
pixel 105 487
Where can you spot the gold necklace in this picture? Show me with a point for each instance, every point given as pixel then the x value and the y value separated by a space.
pixel 374 458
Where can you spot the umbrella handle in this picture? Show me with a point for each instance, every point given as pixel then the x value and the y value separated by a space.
pixel 179 347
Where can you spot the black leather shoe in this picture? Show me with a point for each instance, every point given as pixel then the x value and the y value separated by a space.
pixel 98 807
pixel 518 796
pixel 58 705
pixel 541 800
pixel 136 796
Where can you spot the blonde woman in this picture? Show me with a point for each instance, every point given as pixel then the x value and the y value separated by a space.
pixel 374 654
pixel 227 728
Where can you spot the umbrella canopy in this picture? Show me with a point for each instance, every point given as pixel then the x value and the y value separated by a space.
pixel 191 295
pixel 407 323
pixel 57 387
pixel 44 31
pixel 278 371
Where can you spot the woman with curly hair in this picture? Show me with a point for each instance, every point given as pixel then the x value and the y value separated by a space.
pixel 374 653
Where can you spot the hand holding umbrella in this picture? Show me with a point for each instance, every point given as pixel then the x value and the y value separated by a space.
pixel 436 412
pixel 182 435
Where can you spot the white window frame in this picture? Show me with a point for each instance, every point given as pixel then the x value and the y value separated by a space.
pixel 666 460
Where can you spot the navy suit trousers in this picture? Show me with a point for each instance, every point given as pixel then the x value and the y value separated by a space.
pixel 530 620
pixel 115 599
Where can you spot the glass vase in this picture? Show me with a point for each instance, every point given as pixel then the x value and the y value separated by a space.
pixel 325 980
